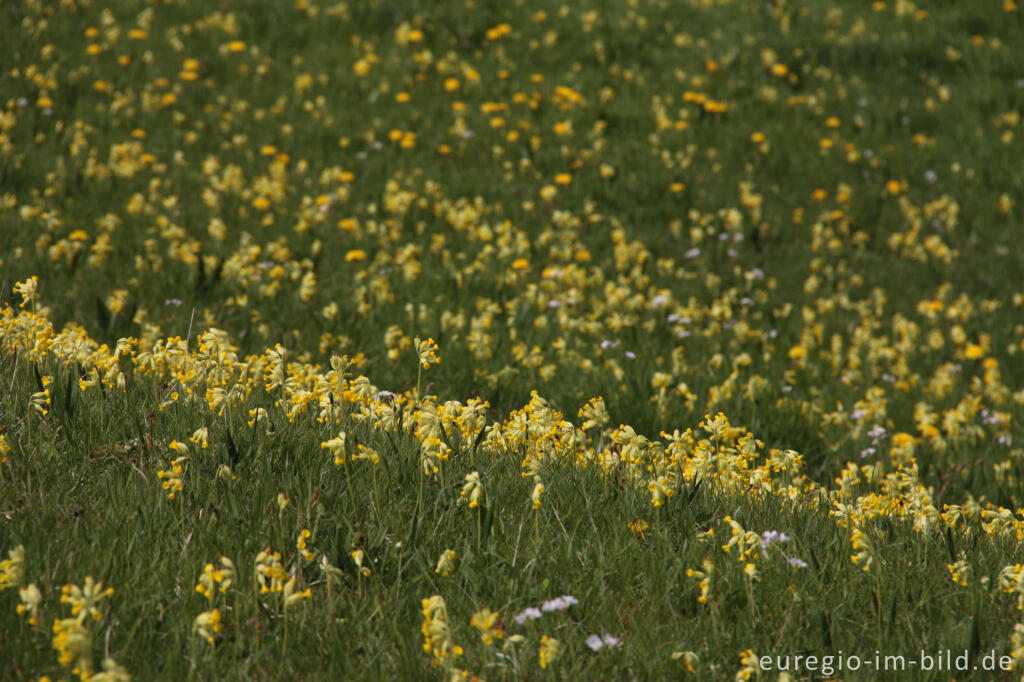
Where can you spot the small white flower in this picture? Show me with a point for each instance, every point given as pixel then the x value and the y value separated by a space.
pixel 877 434
pixel 798 562
pixel 597 642
pixel 559 603
pixel 529 613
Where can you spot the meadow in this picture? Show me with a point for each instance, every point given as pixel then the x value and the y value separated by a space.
pixel 652 339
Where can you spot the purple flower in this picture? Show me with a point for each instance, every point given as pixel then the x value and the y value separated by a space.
pixel 529 613
pixel 559 603
pixel 597 642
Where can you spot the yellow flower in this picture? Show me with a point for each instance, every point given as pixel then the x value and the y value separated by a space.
pixel 357 556
pixel 594 414
pixel 213 577
pixel 293 597
pixel 538 490
pixel 959 571
pixel 236 46
pixel 639 527
pixel 84 600
pixel 29 290
pixel 207 624
pixel 427 352
pixel 550 650
pixel 660 490
pixel 270 572
pixel 355 255
pixel 473 489
pixel 489 625
pixel 446 563
pixel 337 448
pixel 199 437
pixel 12 569
pixel 73 642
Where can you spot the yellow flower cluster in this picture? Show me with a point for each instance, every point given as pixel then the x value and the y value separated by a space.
pixel 437 634
pixel 72 637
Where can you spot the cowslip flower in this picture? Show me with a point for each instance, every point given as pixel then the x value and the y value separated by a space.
pixel 473 490
pixel 437 634
pixel 172 479
pixel 689 659
pixel 358 556
pixel 550 650
pixel 200 437
pixel 594 414
pixel 363 452
pixel 270 573
pixel 427 352
pixel 112 672
pixel 207 624
pixel 213 577
pixel 12 569
pixel 538 490
pixel 73 642
pixel 639 527
pixel 337 447
pixel 85 599
pixel 330 571
pixel 660 490
pixel 489 624
pixel 40 402
pixel 302 545
pixel 29 290
pixel 293 597
pixel 705 579
pixel 446 563
pixel 959 571
pixel 863 548
pixel 31 598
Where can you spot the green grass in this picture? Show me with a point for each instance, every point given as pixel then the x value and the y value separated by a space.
pixel 803 216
